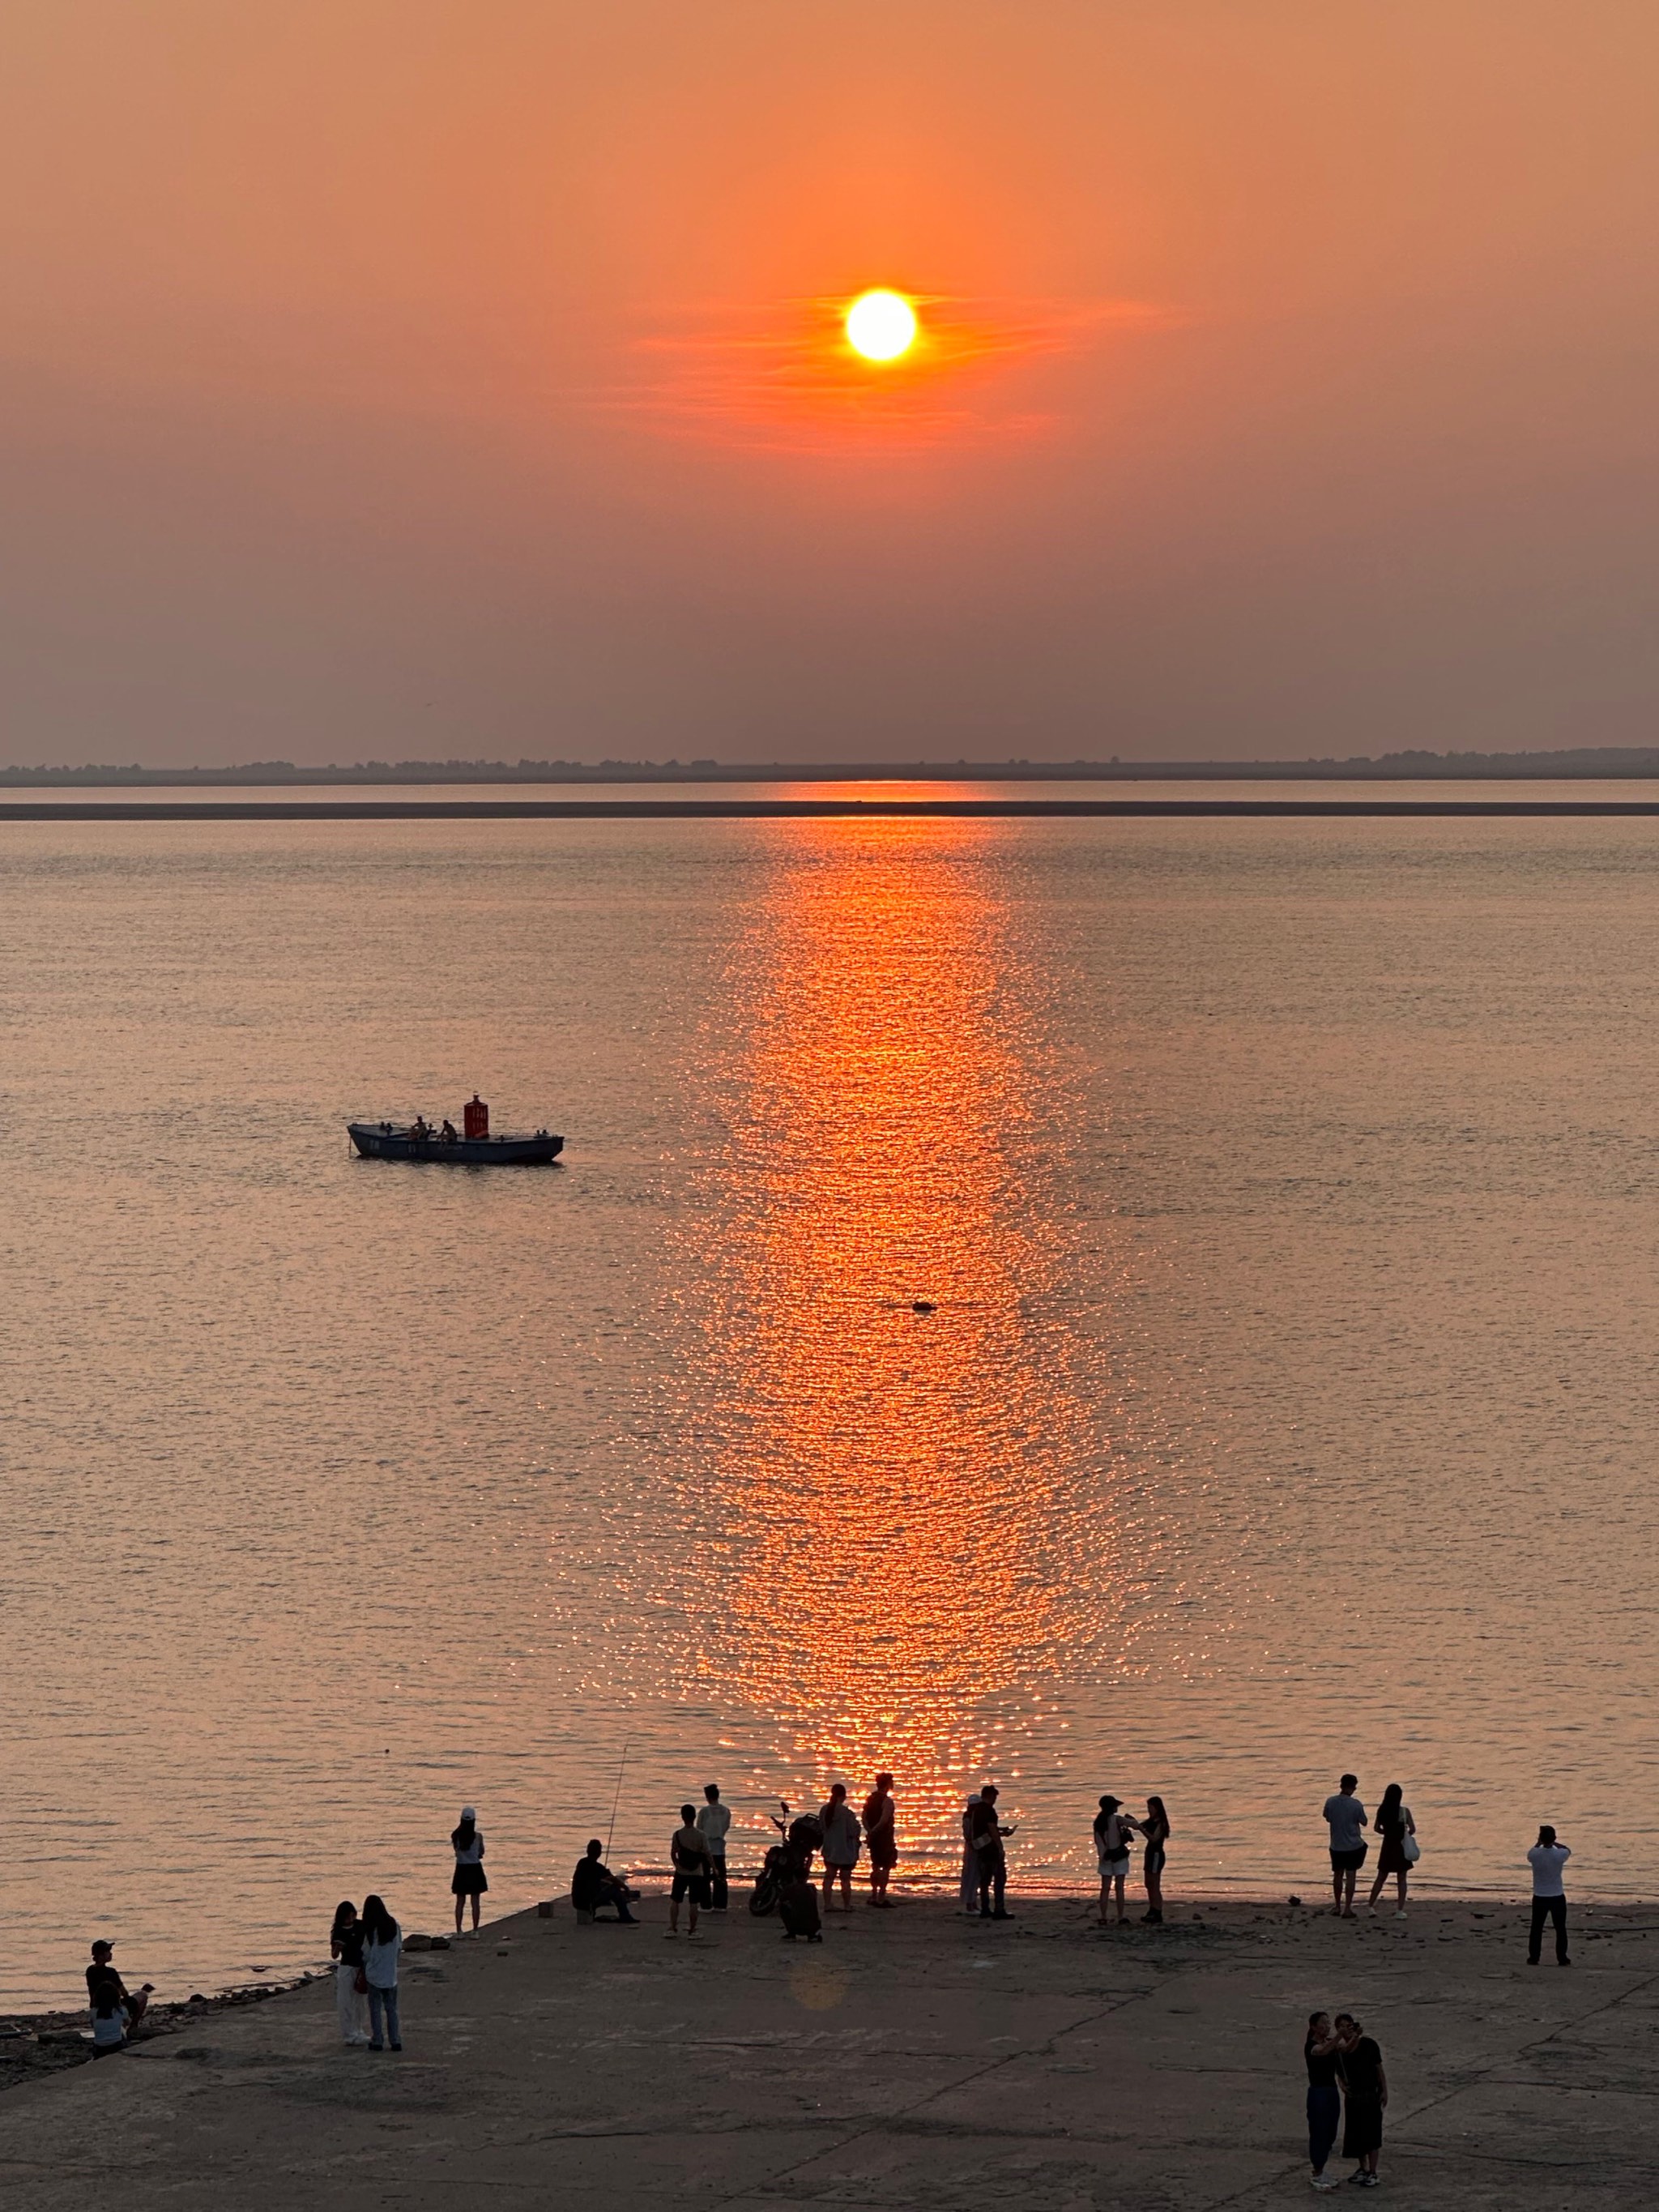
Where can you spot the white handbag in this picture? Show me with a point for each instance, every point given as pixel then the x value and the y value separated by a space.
pixel 1410 1851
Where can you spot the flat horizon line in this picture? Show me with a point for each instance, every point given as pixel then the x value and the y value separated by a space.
pixel 705 810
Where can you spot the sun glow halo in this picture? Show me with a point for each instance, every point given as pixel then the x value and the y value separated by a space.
pixel 881 326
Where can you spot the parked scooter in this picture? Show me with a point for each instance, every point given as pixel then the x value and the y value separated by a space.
pixel 789 1861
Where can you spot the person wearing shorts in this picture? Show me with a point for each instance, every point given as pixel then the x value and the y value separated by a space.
pixel 879 1834
pixel 688 1851
pixel 1345 1816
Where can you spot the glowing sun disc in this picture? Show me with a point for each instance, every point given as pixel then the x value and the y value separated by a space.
pixel 881 326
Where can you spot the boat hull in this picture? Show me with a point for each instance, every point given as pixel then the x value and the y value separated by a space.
pixel 384 1140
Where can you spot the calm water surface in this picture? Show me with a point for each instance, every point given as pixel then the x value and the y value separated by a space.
pixel 1285 1194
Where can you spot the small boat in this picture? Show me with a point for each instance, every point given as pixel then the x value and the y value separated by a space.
pixel 474 1148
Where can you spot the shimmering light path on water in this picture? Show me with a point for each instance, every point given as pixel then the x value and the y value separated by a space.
pixel 1285 1195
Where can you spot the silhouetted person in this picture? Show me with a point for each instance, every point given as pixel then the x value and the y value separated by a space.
pixel 1156 1829
pixel 1393 1824
pixel 843 1839
pixel 985 1833
pixel 345 1947
pixel 798 1908
pixel 110 1997
pixel 1113 1829
pixel 689 1854
pixel 714 1819
pixel 594 1886
pixel 1345 1818
pixel 469 1879
pixel 1365 2092
pixel 970 1896
pixel 1320 2049
pixel 382 1939
pixel 1549 1896
pixel 881 1835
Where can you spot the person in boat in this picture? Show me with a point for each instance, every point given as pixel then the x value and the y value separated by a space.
pixel 448 1135
pixel 420 1131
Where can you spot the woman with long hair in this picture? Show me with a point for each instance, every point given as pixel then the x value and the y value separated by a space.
pixel 1113 1829
pixel 345 1945
pixel 1393 1823
pixel 382 1940
pixel 1155 1829
pixel 469 1879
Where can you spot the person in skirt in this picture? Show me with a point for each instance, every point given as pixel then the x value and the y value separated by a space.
pixel 470 1879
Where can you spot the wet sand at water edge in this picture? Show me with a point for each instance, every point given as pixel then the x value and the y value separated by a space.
pixel 912 2059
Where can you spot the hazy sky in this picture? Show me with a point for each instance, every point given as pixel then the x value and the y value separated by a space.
pixel 458 377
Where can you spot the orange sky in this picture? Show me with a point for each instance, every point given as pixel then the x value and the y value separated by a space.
pixel 430 379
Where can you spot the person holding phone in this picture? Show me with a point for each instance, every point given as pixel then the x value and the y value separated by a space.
pixel 1549 1895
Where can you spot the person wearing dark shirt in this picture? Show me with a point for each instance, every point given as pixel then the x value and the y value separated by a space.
pixel 985 1834
pixel 346 1946
pixel 1365 2089
pixel 1319 2049
pixel 593 1885
pixel 687 1850
pixel 104 1985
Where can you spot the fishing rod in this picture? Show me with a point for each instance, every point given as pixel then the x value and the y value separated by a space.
pixel 617 1800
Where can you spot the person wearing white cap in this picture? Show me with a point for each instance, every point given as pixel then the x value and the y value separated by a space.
pixel 470 1879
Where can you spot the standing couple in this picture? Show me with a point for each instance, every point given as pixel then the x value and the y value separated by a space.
pixel 845 1835
pixel 984 1861
pixel 1345 2069
pixel 1345 1816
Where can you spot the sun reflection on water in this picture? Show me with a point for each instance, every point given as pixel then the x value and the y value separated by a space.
pixel 917 1514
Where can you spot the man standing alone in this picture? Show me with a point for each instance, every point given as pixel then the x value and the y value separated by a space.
pixel 1346 1817
pixel 713 1822
pixel 1549 1896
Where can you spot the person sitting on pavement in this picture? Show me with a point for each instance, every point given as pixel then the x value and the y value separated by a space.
pixel 116 2010
pixel 593 1885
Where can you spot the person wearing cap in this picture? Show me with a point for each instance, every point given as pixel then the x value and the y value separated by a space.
pixel 1113 1829
pixel 469 1879
pixel 110 1999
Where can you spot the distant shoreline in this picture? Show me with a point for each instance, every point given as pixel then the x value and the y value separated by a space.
pixel 739 809
pixel 1625 763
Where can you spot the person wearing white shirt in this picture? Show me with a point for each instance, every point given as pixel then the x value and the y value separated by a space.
pixel 1549 1896
pixel 1345 1816
pixel 382 1940
pixel 843 1839
pixel 713 1822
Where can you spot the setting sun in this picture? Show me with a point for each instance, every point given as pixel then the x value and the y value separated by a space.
pixel 881 326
